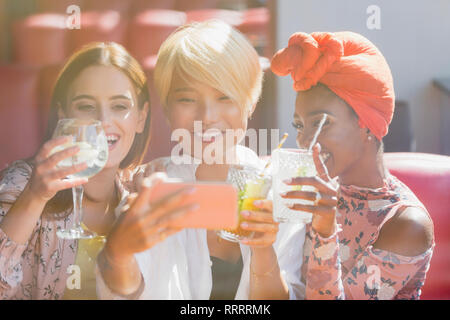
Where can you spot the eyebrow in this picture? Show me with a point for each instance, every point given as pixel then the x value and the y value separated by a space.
pixel 184 89
pixel 86 96
pixel 120 96
pixel 83 96
pixel 313 113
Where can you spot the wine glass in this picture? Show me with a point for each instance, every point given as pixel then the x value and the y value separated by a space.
pixel 89 137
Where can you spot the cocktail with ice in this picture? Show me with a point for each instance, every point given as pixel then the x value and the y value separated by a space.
pixel 287 164
pixel 252 186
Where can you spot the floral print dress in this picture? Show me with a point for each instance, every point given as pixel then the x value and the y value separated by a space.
pixel 347 266
pixel 38 268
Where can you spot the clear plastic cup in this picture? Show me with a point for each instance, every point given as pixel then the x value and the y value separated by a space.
pixel 251 186
pixel 287 164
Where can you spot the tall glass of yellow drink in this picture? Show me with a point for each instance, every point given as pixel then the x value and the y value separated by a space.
pixel 252 186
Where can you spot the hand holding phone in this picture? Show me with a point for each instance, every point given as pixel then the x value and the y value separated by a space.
pixel 163 207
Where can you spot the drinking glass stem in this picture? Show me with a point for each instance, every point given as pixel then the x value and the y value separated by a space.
pixel 77 206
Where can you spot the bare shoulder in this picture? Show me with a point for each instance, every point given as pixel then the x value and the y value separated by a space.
pixel 408 233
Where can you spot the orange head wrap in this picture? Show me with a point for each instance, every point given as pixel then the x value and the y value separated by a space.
pixel 349 65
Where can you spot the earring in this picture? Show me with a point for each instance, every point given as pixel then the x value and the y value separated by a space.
pixel 369 138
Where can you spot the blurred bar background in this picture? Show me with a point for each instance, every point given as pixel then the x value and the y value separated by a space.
pixel 35 42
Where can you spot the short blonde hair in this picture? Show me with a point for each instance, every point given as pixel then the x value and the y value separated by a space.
pixel 212 53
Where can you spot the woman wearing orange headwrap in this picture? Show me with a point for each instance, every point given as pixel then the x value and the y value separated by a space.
pixel 370 237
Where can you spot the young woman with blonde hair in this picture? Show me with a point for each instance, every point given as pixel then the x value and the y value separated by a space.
pixel 208 72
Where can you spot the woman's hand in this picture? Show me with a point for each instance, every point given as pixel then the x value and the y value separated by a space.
pixel 47 179
pixel 325 206
pixel 261 222
pixel 143 224
pixel 266 281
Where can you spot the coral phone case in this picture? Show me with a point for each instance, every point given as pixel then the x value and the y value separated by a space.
pixel 218 204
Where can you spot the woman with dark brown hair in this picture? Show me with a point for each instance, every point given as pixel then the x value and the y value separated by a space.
pixel 102 82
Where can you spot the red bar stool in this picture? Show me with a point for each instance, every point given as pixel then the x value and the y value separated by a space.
pixel 19 116
pixel 256 26
pixel 59 6
pixel 148 30
pixel 40 40
pixel 99 26
pixel 105 5
pixel 139 6
pixel 428 176
pixel 184 5
pixel 232 17
pixel 47 80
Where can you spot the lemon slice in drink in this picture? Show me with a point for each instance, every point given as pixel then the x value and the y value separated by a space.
pixel 256 188
pixel 247 205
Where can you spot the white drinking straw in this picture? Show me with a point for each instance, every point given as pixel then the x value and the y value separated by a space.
pixel 316 135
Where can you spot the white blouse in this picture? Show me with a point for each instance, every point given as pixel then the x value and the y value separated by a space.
pixel 180 267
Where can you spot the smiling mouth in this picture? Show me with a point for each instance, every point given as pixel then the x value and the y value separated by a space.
pixel 208 136
pixel 112 140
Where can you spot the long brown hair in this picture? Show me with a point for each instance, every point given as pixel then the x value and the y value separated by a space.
pixel 104 54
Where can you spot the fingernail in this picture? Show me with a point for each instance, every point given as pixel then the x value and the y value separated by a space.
pixel 244 225
pixel 245 213
pixel 284 194
pixel 287 181
pixel 290 206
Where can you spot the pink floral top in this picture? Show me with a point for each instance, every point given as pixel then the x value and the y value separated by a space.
pixel 346 266
pixel 38 268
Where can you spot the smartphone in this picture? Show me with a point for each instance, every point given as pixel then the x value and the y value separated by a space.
pixel 218 204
